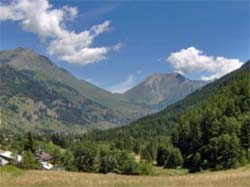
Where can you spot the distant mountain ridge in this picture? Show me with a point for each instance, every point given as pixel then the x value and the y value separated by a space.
pixel 36 93
pixel 161 90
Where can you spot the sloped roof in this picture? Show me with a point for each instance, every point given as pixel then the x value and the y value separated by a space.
pixel 7 154
pixel 43 156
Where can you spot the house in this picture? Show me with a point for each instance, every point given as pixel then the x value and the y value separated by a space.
pixel 3 160
pixel 7 157
pixel 44 159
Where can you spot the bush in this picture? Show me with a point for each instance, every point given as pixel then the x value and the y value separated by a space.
pixel 29 161
pixel 85 157
pixel 145 169
pixel 117 162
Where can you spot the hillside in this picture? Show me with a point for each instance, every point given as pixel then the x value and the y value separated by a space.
pixel 210 125
pixel 45 70
pixel 161 90
pixel 29 103
pixel 37 94
pixel 162 122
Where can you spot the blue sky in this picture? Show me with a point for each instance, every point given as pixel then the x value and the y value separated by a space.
pixel 202 40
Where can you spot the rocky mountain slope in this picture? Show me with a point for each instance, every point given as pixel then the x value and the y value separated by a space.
pixel 161 90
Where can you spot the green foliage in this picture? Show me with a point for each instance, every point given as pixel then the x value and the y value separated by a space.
pixel 245 136
pixel 12 170
pixel 85 157
pixel 29 143
pixel 29 161
pixel 174 159
pixel 195 162
pixel 149 152
pixel 68 160
pixel 210 127
pixel 145 169
pixel 216 138
pixel 116 161
pixel 169 156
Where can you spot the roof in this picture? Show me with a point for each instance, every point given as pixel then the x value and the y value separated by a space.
pixel 7 154
pixel 41 155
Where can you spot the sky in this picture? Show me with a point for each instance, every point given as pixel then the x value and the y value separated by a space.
pixel 117 44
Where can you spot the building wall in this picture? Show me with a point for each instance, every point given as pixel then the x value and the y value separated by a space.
pixel 3 161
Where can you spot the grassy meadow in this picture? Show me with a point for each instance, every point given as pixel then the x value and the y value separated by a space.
pixel 12 177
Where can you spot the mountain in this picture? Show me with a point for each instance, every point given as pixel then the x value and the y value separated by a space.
pixel 161 90
pixel 236 84
pixel 29 103
pixel 37 94
pixel 210 129
pixel 44 69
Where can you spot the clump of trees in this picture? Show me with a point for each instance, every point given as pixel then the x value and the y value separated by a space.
pixel 89 158
pixel 215 134
pixel 169 156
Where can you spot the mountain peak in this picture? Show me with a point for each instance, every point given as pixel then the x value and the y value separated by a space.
pixel 161 76
pixel 162 87
pixel 22 49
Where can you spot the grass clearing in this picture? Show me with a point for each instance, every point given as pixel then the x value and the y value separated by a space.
pixel 230 178
pixel 160 171
pixel 10 171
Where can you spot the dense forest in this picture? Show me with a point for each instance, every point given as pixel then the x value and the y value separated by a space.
pixel 209 129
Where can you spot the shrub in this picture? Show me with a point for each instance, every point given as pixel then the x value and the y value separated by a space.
pixel 145 169
pixel 29 161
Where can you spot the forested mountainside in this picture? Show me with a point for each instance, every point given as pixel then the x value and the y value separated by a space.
pixel 211 127
pixel 28 103
pixel 45 70
pixel 38 95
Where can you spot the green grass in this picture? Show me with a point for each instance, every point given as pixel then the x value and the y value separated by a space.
pixel 11 170
pixel 160 171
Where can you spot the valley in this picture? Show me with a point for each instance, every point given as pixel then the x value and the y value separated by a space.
pixel 37 94
pixel 124 93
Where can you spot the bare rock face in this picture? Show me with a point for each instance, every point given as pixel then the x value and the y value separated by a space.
pixel 160 90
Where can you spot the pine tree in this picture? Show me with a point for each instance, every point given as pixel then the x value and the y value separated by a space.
pixel 29 161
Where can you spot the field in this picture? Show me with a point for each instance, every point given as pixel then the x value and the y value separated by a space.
pixel 10 177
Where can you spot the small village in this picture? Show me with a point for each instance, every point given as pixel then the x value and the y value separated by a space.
pixel 44 159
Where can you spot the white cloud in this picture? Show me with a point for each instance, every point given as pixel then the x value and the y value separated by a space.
pixel 124 85
pixel 118 46
pixel 41 18
pixel 192 60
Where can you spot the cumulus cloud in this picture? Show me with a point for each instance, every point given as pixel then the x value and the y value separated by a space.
pixel 192 60
pixel 124 85
pixel 41 18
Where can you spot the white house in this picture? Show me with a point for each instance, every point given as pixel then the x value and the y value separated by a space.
pixel 7 157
